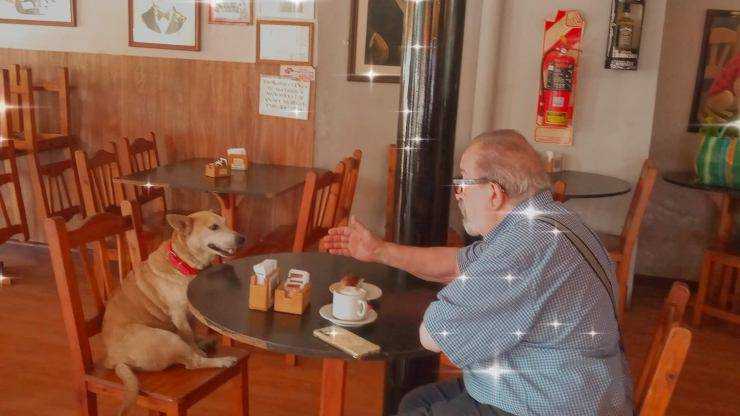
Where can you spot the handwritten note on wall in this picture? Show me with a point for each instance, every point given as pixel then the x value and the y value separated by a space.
pixel 283 97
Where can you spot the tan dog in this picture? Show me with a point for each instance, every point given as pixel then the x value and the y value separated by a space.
pixel 146 323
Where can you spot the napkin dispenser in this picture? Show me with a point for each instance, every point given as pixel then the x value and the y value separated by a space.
pixel 293 295
pixel 218 169
pixel 238 158
pixel 262 285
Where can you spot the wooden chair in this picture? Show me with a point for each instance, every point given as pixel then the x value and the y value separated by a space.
pixel 349 186
pixel 139 155
pixel 558 191
pixel 101 193
pixel 667 353
pixel 10 226
pixel 24 124
pixel 621 247
pixel 316 215
pixel 719 287
pixel 171 391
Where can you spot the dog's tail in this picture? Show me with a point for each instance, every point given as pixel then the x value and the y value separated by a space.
pixel 131 387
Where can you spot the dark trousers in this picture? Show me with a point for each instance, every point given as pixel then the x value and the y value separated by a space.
pixel 445 398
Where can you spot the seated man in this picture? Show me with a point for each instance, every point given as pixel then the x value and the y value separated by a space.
pixel 526 313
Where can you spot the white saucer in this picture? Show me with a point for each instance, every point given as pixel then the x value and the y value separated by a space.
pixel 325 313
pixel 373 292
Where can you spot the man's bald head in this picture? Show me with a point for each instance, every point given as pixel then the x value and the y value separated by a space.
pixel 505 157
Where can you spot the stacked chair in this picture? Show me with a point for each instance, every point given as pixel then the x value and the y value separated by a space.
pixel 719 290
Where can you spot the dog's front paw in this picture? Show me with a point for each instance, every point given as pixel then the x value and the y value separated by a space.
pixel 226 361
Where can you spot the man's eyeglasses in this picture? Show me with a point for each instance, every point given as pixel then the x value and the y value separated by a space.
pixel 458 183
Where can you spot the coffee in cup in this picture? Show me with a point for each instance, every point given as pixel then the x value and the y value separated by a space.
pixel 350 304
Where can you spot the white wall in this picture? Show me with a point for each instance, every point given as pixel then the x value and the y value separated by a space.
pixel 614 109
pixel 361 115
pixel 102 27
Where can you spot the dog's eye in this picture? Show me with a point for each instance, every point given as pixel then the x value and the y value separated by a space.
pixel 213 227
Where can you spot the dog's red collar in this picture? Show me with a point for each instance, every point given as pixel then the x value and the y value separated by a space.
pixel 179 264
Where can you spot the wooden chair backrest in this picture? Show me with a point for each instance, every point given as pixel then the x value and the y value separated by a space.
pixel 638 207
pixel 51 184
pixel 558 191
pixel 139 155
pixel 6 120
pixel 318 207
pixel 667 370
pixel 99 190
pixel 721 48
pixel 349 187
pixel 9 176
pixel 94 231
pixel 22 89
pixel 671 316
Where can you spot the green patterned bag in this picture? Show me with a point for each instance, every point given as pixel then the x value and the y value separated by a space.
pixel 718 160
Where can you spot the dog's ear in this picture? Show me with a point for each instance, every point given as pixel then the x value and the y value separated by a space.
pixel 180 223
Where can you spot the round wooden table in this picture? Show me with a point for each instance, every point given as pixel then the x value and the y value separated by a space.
pixel 590 185
pixel 219 297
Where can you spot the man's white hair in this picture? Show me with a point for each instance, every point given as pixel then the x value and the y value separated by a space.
pixel 505 157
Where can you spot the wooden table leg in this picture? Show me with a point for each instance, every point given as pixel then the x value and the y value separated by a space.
pixel 724 230
pixel 333 378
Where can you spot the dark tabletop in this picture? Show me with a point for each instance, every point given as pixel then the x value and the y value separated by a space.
pixel 258 180
pixel 219 296
pixel 690 180
pixel 590 185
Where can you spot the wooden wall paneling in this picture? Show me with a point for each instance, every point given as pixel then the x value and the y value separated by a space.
pixel 198 109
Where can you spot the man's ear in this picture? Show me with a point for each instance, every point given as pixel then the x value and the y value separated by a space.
pixel 180 223
pixel 498 195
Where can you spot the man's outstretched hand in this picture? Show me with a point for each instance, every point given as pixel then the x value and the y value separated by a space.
pixel 353 240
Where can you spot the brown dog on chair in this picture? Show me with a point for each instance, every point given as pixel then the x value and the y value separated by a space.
pixel 146 323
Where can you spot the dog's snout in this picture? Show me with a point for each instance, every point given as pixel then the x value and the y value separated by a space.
pixel 240 239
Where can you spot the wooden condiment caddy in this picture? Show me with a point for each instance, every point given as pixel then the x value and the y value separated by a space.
pixel 262 297
pixel 218 169
pixel 294 302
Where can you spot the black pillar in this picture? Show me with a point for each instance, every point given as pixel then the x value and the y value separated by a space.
pixel 430 79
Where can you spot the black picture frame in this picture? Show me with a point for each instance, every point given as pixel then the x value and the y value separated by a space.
pixel 357 24
pixel 702 86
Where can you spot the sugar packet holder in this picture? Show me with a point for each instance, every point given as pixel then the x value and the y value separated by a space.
pixel 218 168
pixel 294 294
pixel 262 285
pixel 238 158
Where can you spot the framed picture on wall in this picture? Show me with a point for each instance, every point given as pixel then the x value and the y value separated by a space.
pixel 376 40
pixel 286 9
pixel 284 42
pixel 717 88
pixel 164 24
pixel 38 12
pixel 231 11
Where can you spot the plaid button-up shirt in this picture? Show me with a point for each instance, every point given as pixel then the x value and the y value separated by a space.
pixel 529 322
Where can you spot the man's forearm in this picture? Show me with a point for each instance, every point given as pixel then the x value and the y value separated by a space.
pixel 433 264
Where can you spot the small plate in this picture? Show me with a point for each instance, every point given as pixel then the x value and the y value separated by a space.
pixel 325 313
pixel 373 292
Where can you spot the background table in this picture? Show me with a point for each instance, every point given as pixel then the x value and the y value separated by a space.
pixel 219 297
pixel 722 197
pixel 590 185
pixel 258 180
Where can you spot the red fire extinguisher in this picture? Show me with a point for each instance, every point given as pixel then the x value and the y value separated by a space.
pixel 558 69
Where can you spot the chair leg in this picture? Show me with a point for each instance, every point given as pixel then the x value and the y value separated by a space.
pixel 705 276
pixel 243 386
pixel 89 403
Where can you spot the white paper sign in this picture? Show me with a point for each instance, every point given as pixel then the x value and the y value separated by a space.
pixel 280 42
pixel 284 97
pixel 301 73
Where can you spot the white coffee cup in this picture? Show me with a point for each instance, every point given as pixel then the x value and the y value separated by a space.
pixel 350 304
